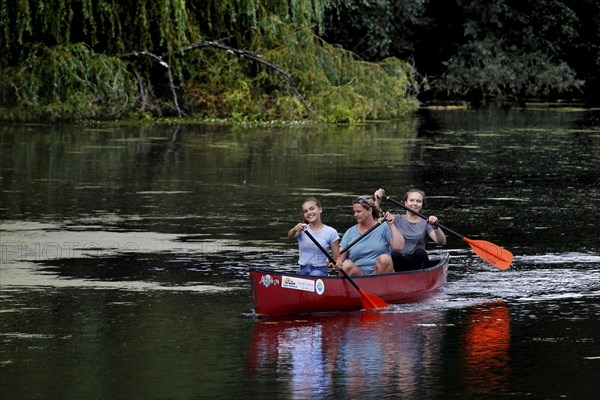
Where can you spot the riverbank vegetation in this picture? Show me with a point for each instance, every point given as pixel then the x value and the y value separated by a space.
pixel 323 60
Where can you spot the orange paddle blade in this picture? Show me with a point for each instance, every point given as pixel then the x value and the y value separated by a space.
pixel 371 301
pixel 493 254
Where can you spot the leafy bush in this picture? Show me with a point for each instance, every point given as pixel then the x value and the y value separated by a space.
pixel 487 69
pixel 65 82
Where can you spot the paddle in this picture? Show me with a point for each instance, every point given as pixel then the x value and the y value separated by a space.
pixel 493 254
pixel 370 301
pixel 371 229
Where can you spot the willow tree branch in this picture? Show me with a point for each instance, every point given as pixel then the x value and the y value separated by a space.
pixel 163 63
pixel 237 52
pixel 255 57
pixel 142 89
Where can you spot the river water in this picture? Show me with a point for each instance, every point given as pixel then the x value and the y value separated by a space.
pixel 125 255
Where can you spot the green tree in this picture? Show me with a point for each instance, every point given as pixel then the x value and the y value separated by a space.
pixel 375 29
pixel 479 49
pixel 513 48
pixel 106 59
pixel 583 54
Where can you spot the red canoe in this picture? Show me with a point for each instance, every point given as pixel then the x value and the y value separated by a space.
pixel 276 293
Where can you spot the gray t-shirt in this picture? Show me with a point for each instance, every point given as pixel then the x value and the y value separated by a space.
pixel 415 233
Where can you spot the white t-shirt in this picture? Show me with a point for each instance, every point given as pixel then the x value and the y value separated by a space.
pixel 310 254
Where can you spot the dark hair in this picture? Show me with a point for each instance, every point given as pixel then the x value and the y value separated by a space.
pixel 422 193
pixel 311 198
pixel 367 202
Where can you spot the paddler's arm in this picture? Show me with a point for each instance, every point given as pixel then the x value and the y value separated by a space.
pixel 339 260
pixel 397 240
pixel 378 195
pixel 335 249
pixel 437 235
pixel 295 231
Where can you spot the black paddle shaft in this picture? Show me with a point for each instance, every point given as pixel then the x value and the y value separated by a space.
pixel 371 229
pixel 331 258
pixel 319 245
pixel 424 217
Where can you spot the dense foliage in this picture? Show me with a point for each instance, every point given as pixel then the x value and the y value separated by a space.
pixel 106 59
pixel 480 49
pixel 329 60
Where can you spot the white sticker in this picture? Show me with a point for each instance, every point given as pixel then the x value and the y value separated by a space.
pixel 297 283
pixel 320 286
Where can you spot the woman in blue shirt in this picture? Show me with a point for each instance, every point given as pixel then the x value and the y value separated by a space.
pixel 312 261
pixel 371 255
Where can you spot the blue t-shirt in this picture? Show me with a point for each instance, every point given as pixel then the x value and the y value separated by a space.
pixel 310 254
pixel 364 253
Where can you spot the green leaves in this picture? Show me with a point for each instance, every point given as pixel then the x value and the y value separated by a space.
pixel 65 61
pixel 65 82
pixel 513 50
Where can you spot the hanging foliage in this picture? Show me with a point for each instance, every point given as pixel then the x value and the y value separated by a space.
pixel 55 82
pixel 340 86
pixel 103 58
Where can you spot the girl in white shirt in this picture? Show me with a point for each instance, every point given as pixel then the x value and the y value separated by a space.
pixel 312 261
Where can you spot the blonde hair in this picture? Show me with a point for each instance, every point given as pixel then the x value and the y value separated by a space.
pixel 368 202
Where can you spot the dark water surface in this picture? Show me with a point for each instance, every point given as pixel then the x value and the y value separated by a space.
pixel 125 254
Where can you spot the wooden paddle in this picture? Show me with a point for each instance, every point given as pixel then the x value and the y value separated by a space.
pixel 493 254
pixel 369 301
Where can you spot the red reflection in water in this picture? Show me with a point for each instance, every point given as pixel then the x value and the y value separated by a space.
pixel 485 351
pixel 351 353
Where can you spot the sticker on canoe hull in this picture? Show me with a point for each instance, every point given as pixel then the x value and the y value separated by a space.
pixel 266 280
pixel 290 282
pixel 320 286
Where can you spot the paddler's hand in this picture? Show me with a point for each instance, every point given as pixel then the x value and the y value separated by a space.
pixel 389 218
pixel 432 220
pixel 379 194
pixel 337 265
pixel 300 227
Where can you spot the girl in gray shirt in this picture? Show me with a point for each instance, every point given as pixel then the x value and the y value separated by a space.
pixel 415 230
